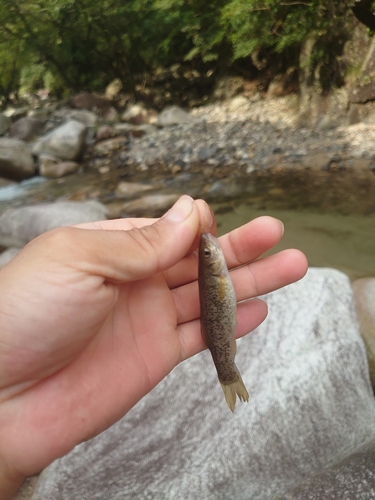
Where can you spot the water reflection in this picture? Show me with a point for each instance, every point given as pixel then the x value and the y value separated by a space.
pixel 330 216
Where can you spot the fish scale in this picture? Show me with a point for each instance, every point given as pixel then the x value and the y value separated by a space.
pixel 218 317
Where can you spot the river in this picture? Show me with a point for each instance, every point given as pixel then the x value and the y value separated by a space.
pixel 329 215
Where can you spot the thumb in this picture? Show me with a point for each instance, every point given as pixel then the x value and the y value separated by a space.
pixel 140 252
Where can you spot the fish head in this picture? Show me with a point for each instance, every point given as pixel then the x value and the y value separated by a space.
pixel 211 254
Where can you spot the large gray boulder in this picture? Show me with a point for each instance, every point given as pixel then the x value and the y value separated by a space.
pixel 18 226
pixel 66 142
pixel 16 161
pixel 311 407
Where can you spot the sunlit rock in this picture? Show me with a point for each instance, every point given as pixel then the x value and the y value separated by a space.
pixel 127 189
pixel 113 89
pixel 152 205
pixel 174 115
pixel 66 142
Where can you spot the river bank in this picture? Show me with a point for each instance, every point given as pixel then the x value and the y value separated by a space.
pixel 219 151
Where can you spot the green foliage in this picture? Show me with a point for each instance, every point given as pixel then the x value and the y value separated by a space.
pixel 11 57
pixel 256 24
pixel 78 44
pixel 32 77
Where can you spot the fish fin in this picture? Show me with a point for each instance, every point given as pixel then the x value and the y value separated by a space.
pixel 234 389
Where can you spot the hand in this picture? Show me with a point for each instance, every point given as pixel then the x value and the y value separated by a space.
pixel 92 317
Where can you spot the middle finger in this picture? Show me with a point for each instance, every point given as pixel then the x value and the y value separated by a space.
pixel 240 246
pixel 257 278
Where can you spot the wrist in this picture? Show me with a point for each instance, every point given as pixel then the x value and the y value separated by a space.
pixel 10 481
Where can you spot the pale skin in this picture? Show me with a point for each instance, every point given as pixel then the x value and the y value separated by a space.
pixel 93 317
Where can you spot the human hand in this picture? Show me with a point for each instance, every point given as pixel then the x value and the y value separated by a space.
pixel 93 317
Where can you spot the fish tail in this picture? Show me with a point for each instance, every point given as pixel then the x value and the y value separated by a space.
pixel 234 389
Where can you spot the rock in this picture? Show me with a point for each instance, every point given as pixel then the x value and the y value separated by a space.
pixel 364 294
pixel 66 142
pixel 16 161
pixel 326 122
pixel 204 153
pixel 26 129
pixel 173 115
pixel 108 146
pixel 105 132
pixel 238 102
pixel 136 115
pixel 86 100
pixel 127 189
pixel 18 226
pixel 5 124
pixel 354 114
pixel 311 406
pixel 8 255
pixel 54 170
pixel 16 113
pixel 110 115
pixel 363 93
pixel 275 88
pixel 353 478
pixel 89 118
pixel 135 130
pixel 228 87
pixel 42 114
pixel 47 161
pixel 7 182
pixel 113 89
pixel 152 205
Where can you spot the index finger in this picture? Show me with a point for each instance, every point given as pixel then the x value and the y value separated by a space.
pixel 206 217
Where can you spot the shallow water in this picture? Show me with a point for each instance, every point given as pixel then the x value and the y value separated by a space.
pixel 344 242
pixel 330 216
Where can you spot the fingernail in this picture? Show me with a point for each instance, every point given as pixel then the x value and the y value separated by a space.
pixel 181 209
pixel 282 226
pixel 210 218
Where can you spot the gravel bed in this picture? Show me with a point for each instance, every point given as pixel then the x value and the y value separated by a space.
pixel 253 135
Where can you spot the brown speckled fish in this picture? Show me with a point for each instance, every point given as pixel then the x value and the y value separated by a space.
pixel 218 317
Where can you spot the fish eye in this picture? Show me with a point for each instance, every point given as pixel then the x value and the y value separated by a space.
pixel 207 252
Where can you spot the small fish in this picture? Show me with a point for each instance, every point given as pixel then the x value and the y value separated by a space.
pixel 218 317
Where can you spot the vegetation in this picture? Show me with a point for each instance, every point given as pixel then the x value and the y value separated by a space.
pixel 84 44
